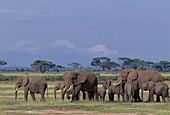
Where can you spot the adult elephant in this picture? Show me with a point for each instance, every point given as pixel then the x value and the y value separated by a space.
pixel 32 84
pixel 85 81
pixel 139 78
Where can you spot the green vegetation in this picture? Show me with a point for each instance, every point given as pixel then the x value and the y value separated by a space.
pixel 59 77
pixel 9 106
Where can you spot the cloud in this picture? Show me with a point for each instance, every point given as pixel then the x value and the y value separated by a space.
pixel 99 48
pixel 18 11
pixel 63 43
pixel 25 46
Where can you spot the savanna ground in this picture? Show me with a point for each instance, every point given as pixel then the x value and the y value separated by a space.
pixel 9 106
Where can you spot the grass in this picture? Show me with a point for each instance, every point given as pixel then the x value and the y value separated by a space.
pixel 7 103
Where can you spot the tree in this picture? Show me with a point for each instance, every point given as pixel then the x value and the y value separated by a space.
pixel 2 63
pixel 75 65
pixel 141 68
pixel 157 66
pixel 133 63
pixel 42 66
pixel 104 62
pixel 161 66
pixel 59 67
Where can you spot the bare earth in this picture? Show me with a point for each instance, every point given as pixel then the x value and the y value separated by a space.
pixel 52 112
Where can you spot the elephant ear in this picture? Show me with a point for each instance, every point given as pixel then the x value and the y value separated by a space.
pixel 133 75
pixel 62 85
pixel 79 78
pixel 25 81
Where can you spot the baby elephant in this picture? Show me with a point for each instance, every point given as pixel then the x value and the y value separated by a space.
pixel 129 91
pixel 116 88
pixel 158 88
pixel 102 93
pixel 60 85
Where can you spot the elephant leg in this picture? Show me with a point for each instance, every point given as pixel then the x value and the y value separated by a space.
pixel 62 94
pixel 118 97
pixel 163 98
pixel 123 97
pixel 158 99
pixel 84 95
pixel 78 97
pixel 95 94
pixel 113 98
pixel 26 94
pixel 87 95
pixel 75 92
pixel 42 97
pixel 33 96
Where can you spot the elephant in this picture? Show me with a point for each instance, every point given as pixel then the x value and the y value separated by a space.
pixel 129 91
pixel 86 81
pixel 102 93
pixel 32 84
pixel 60 85
pixel 116 89
pixel 119 90
pixel 157 88
pixel 139 78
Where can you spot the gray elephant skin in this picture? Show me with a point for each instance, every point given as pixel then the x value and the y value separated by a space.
pixel 101 93
pixel 114 88
pixel 158 88
pixel 61 85
pixel 139 78
pixel 129 92
pixel 32 84
pixel 85 81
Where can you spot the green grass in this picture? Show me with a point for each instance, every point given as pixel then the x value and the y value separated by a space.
pixel 7 103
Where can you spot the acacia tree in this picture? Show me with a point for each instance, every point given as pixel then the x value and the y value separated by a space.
pixel 133 63
pixel 42 66
pixel 161 66
pixel 59 67
pixel 2 63
pixel 75 65
pixel 104 63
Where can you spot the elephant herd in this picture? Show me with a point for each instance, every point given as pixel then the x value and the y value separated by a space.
pixel 127 86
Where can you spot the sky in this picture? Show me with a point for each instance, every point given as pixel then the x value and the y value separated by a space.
pixel 66 31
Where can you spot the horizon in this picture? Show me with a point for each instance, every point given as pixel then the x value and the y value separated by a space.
pixel 78 31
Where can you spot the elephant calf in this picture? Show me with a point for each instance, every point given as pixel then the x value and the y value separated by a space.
pixel 156 88
pixel 60 85
pixel 32 84
pixel 129 91
pixel 116 89
pixel 102 93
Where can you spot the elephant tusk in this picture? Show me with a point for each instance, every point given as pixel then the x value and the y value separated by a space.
pixel 116 83
pixel 70 88
pixel 16 90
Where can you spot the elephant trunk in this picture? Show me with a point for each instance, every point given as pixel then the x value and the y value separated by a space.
pixel 55 93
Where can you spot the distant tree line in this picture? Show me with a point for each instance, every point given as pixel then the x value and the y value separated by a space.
pixel 105 63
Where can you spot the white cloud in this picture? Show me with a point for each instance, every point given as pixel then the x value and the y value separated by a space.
pixel 99 48
pixel 18 11
pixel 25 46
pixel 64 43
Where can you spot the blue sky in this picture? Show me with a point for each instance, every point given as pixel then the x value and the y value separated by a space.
pixel 65 31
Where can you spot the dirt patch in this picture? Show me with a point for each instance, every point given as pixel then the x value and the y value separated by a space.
pixel 52 112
